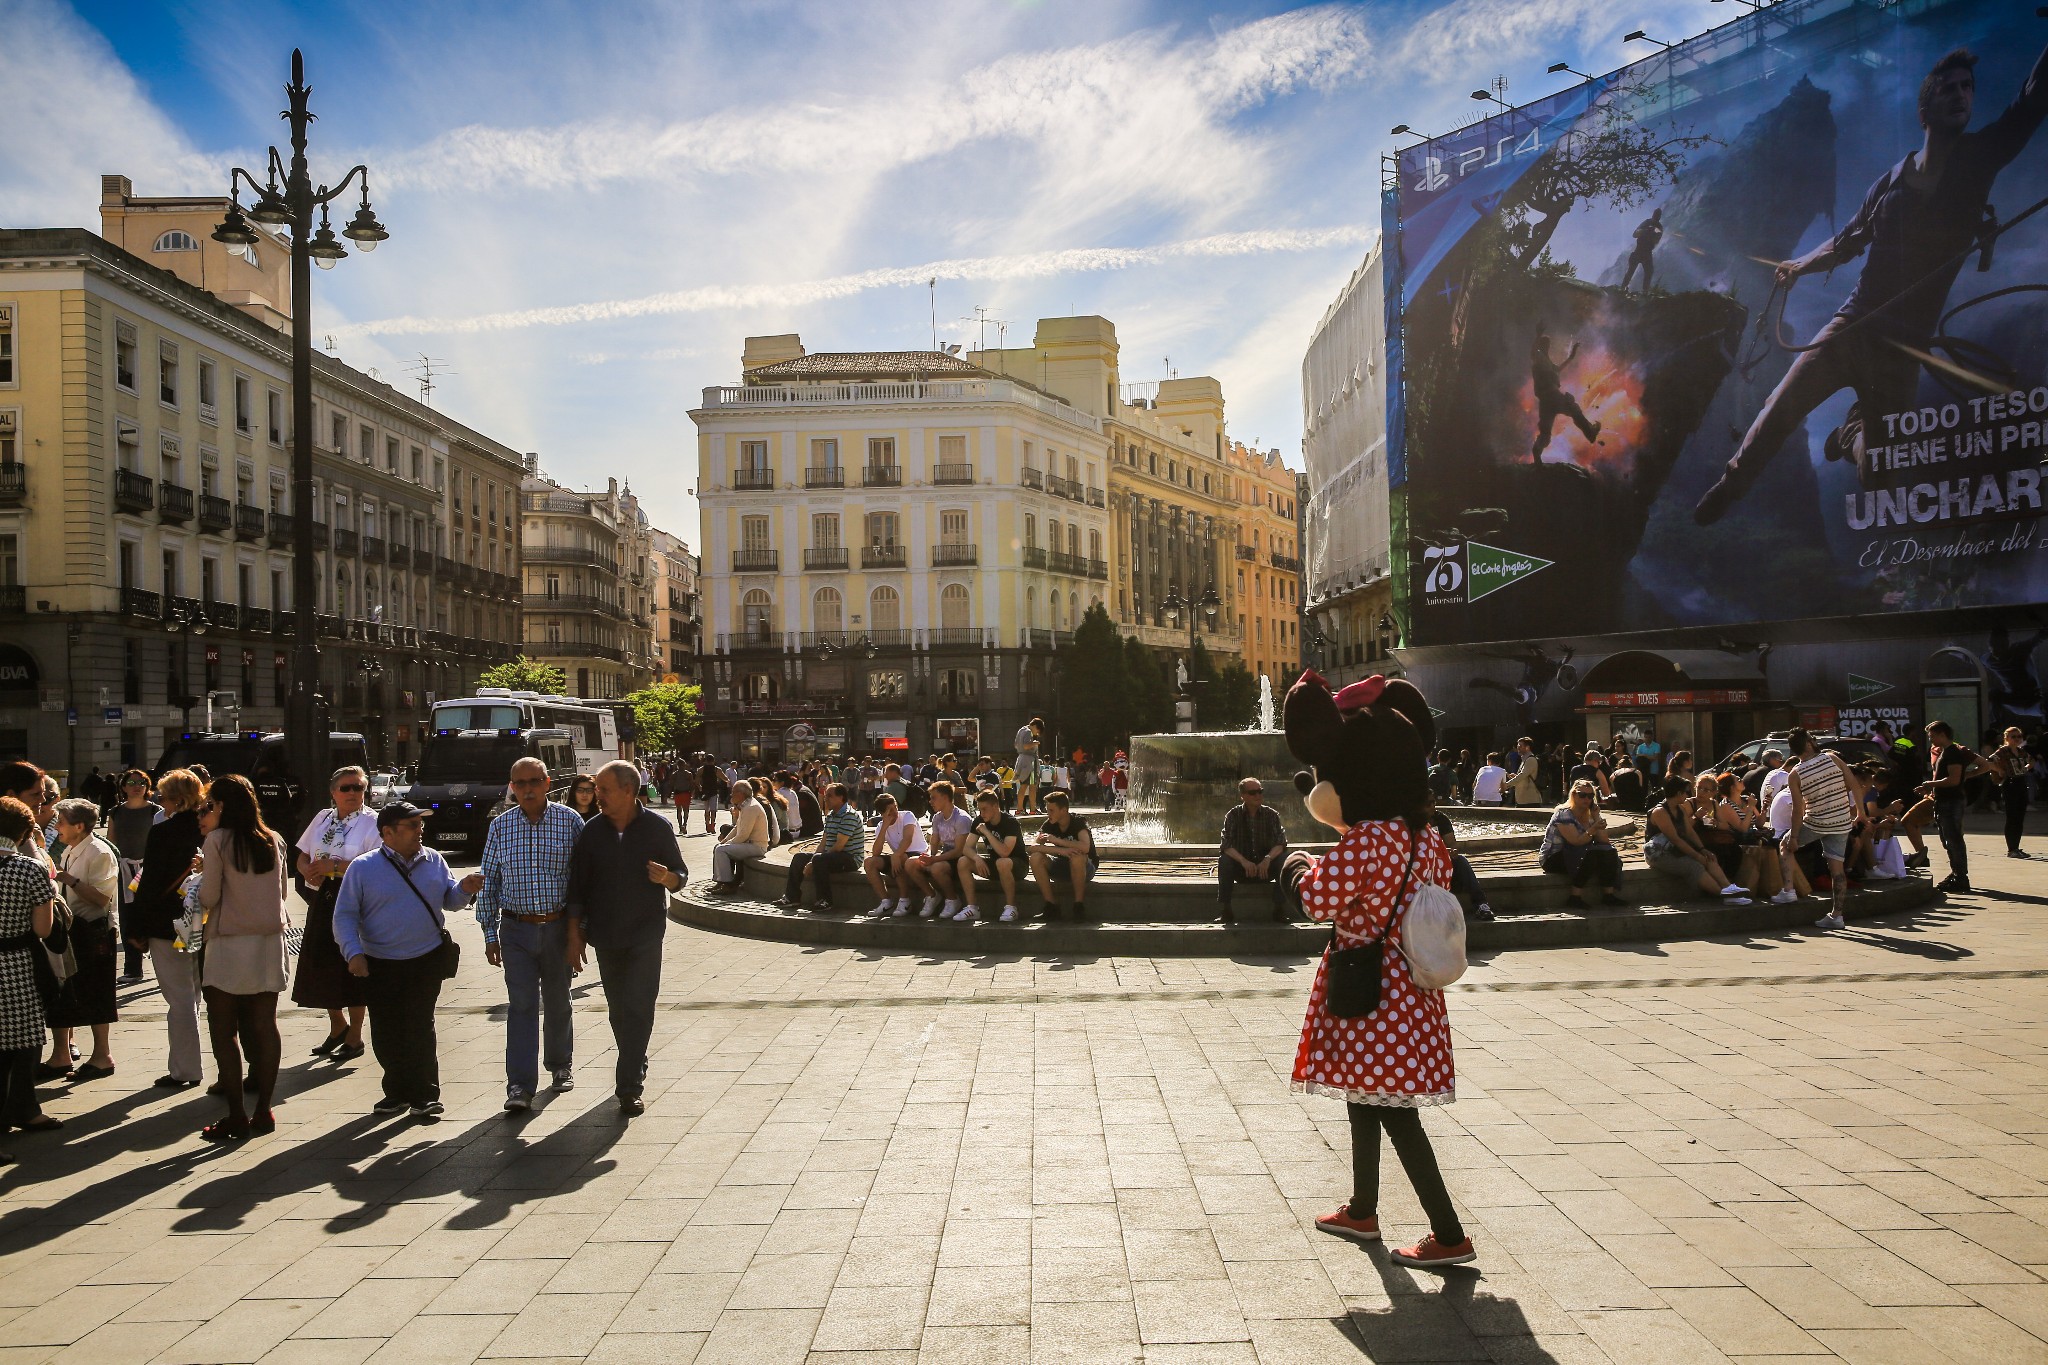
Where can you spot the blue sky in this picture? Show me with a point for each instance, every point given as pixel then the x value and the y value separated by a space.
pixel 591 205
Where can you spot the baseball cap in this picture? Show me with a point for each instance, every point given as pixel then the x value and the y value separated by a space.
pixel 397 811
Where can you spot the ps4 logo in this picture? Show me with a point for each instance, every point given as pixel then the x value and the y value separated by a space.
pixel 1433 174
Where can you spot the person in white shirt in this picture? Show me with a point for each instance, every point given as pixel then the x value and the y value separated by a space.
pixel 1487 782
pixel 893 858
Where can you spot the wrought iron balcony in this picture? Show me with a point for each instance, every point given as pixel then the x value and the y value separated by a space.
pixel 826 558
pixel 882 476
pixel 1059 561
pixel 248 521
pixel 174 502
pixel 753 478
pixel 398 555
pixel 1287 562
pixel 256 618
pixel 281 528
pixel 13 484
pixel 226 615
pixel 884 556
pixel 1247 553
pixel 319 535
pixel 346 541
pixel 571 554
pixel 142 602
pixel 825 476
pixel 953 635
pixel 952 473
pixel 945 556
pixel 13 599
pixel 215 513
pixel 1031 478
pixel 373 549
pixel 1097 498
pixel 1034 557
pixel 1062 488
pixel 1098 568
pixel 444 568
pixel 133 492
pixel 756 561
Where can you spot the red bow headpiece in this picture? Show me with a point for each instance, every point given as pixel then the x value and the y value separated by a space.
pixel 1361 694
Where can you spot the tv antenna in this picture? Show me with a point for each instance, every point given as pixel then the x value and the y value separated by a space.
pixel 423 371
pixel 330 346
pixel 981 320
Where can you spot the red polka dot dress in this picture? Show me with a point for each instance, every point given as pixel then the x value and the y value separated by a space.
pixel 1400 1054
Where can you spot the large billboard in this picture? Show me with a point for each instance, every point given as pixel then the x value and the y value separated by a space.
pixel 1756 330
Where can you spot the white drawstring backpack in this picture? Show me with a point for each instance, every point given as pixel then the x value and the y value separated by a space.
pixel 1433 937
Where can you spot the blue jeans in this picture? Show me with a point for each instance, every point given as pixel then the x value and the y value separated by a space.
pixel 1948 822
pixel 1464 881
pixel 632 980
pixel 536 984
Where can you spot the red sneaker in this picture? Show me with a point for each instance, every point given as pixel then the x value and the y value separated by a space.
pixel 1342 1224
pixel 1430 1253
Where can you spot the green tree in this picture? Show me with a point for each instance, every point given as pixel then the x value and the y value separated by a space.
pixel 1093 685
pixel 1229 702
pixel 1148 695
pixel 665 713
pixel 525 675
pixel 1201 668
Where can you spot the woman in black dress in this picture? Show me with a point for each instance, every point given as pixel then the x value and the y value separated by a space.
pixel 337 836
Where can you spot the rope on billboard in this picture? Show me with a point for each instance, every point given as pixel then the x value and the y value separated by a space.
pixel 1769 328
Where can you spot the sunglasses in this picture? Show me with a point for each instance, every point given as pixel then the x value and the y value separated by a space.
pixel 135 782
pixel 350 787
pixel 209 808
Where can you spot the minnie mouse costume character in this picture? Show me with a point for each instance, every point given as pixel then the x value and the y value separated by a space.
pixel 1367 747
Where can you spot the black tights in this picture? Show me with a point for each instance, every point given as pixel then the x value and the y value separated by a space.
pixel 238 1024
pixel 1404 1129
pixel 2015 795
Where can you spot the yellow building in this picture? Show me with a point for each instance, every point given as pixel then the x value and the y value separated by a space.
pixel 895 544
pixel 1173 510
pixel 145 504
pixel 674 571
pixel 577 607
pixel 1268 562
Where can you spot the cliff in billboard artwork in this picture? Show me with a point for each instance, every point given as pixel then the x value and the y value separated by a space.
pixel 1754 331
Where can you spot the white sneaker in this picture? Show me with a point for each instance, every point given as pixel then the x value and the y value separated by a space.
pixel 950 910
pixel 1785 897
pixel 879 911
pixel 931 907
pixel 1009 914
pixel 1737 900
pixel 1732 889
pixel 966 916
pixel 902 908
pixel 1830 921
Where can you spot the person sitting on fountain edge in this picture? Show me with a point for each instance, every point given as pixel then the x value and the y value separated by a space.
pixel 1253 847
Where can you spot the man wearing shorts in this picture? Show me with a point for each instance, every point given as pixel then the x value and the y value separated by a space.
pixel 1826 795
pixel 1027 765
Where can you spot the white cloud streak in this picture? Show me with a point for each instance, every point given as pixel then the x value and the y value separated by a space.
pixel 798 293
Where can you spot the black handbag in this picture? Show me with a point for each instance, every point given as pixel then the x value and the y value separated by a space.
pixel 1352 975
pixel 447 957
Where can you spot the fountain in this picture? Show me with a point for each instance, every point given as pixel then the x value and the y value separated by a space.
pixel 1182 785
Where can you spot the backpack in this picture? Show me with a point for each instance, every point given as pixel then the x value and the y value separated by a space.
pixel 1433 936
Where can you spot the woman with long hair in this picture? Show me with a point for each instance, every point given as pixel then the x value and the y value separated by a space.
pixel 1576 844
pixel 167 857
pixel 582 797
pixel 336 837
pixel 27 916
pixel 242 888
pixel 1673 845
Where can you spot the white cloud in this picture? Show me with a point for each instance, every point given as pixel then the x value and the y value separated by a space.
pixel 797 293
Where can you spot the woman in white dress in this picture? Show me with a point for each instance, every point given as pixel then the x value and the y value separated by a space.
pixel 242 887
pixel 338 836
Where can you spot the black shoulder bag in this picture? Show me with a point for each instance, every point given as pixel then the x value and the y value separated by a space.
pixel 1352 982
pixel 448 957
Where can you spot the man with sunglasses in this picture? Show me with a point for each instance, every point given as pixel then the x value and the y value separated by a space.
pixel 523 888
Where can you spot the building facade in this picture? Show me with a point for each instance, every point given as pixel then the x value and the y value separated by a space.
pixel 1348 582
pixel 897 545
pixel 676 628
pixel 1174 517
pixel 145 505
pixel 1268 552
pixel 577 614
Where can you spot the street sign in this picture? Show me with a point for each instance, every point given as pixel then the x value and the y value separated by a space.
pixel 112 715
pixel 71 715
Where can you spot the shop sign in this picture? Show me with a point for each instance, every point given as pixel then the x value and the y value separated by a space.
pixel 1719 696
pixel 18 673
pixel 1861 687
pixel 213 654
pixel 1861 720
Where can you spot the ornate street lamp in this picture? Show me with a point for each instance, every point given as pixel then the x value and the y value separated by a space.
pixel 1174 604
pixel 287 198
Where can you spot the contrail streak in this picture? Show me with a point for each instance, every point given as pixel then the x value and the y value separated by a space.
pixel 795 293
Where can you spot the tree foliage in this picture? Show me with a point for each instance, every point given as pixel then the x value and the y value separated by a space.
pixel 1617 160
pixel 1147 693
pixel 1201 668
pixel 1093 684
pixel 525 675
pixel 666 714
pixel 1230 702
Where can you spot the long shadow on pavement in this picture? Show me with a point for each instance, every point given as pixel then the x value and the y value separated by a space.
pixel 1452 1323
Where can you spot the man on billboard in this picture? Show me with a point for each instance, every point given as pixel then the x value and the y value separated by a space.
pixel 1648 233
pixel 1919 222
pixel 1552 402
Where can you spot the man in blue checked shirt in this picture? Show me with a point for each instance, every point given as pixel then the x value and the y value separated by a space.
pixel 522 908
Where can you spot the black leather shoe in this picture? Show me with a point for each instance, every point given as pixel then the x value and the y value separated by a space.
pixel 328 1046
pixel 347 1054
pixel 173 1083
pixel 632 1106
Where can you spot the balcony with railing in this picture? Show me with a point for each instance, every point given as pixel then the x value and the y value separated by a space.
pixel 1063 488
pixel 882 476
pixel 908 391
pixel 1098 498
pixel 133 492
pixel 398 555
pixel 215 513
pixel 952 473
pixel 280 528
pixel 373 549
pixel 884 556
pixel 567 601
pixel 319 535
pixel 225 615
pixel 174 502
pixel 347 541
pixel 1059 561
pixel 1098 568
pixel 753 476
pixel 444 568
pixel 1247 553
pixel 13 484
pixel 756 561
pixel 953 636
pixel 825 558
pixel 13 599
pixel 825 476
pixel 952 555
pixel 256 619
pixel 571 554
pixel 248 521
pixel 143 602
pixel 1034 556
pixel 1031 478
pixel 574 649
pixel 1287 562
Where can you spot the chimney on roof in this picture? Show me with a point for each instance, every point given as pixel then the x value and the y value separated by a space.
pixel 115 189
pixel 770 350
pixel 531 462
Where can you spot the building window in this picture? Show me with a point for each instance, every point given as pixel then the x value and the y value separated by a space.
pixel 881 452
pixel 952 528
pixel 825 531
pixel 209 385
pixel 244 405
pixel 1030 531
pixel 6 344
pixel 176 241
pixel 274 408
pixel 754 456
pixel 881 530
pixel 167 373
pixel 886 684
pixel 366 445
pixel 885 610
pixel 757 617
pixel 754 534
pixel 391 454
pixel 958 684
pixel 124 355
pixel 828 611
pixel 956 610
pixel 824 455
pixel 417 471
pixel 10 560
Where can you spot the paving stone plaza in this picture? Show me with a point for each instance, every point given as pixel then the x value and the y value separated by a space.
pixel 1785 1147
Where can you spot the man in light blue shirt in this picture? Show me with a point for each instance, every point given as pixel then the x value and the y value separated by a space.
pixel 389 919
pixel 526 930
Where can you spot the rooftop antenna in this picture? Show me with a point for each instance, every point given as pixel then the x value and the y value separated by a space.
pixel 424 370
pixel 330 344
pixel 932 284
pixel 981 320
